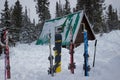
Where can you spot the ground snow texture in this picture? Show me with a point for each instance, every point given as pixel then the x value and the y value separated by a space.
pixel 30 61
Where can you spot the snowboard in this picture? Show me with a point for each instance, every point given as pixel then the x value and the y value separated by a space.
pixel 57 52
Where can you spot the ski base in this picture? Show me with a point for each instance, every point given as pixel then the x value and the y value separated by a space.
pixel 71 67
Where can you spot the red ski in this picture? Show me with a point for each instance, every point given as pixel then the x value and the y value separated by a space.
pixel 6 52
pixel 72 64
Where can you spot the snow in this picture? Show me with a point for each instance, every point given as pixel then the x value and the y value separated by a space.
pixel 30 61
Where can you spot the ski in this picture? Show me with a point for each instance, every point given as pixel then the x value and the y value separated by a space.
pixel 50 58
pixel 57 52
pixel 71 51
pixel 6 52
pixel 86 67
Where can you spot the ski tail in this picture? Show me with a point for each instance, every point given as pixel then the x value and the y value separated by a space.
pixel 72 64
pixel 57 62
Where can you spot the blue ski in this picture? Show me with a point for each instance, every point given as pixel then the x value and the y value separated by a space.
pixel 86 67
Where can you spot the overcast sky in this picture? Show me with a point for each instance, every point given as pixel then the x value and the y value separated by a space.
pixel 31 5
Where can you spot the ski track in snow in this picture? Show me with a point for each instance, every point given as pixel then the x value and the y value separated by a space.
pixel 30 62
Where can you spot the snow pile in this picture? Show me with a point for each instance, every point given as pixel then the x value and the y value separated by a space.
pixel 30 62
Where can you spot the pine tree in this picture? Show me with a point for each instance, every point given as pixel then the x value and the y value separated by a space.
pixel 88 7
pixel 17 19
pixel 5 15
pixel 98 15
pixel 28 30
pixel 6 21
pixel 115 15
pixel 42 9
pixel 67 9
pixel 80 5
pixel 59 9
pixel 112 18
pixel 85 5
pixel 110 12
pixel 109 17
pixel 93 9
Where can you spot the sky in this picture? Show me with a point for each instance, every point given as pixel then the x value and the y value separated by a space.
pixel 115 3
pixel 32 11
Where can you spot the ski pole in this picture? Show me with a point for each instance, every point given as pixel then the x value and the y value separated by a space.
pixel 94 53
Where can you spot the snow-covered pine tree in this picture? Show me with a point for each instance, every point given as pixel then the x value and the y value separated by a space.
pixel 59 9
pixel 5 15
pixel 6 21
pixel 98 7
pixel 93 9
pixel 17 19
pixel 112 18
pixel 80 5
pixel 66 8
pixel 27 32
pixel 42 9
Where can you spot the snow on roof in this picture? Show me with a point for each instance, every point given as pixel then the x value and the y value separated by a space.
pixel 66 22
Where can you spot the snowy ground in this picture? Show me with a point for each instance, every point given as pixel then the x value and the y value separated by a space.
pixel 30 62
